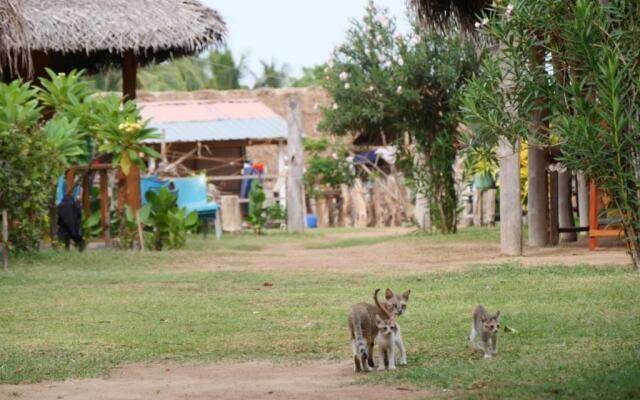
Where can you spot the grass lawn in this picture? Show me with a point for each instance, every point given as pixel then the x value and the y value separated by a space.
pixel 68 315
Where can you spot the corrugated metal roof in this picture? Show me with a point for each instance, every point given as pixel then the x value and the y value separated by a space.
pixel 239 129
pixel 205 110
pixel 207 120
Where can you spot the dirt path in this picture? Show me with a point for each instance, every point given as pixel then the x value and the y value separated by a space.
pixel 219 381
pixel 398 257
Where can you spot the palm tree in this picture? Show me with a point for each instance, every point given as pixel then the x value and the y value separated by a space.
pixel 226 73
pixel 272 75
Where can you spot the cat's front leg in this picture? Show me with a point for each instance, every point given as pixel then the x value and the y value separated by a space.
pixel 392 357
pixel 495 345
pixel 402 350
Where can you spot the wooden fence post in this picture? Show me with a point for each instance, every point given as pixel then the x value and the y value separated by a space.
pixel 295 171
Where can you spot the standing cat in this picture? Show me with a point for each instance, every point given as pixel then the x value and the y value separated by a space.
pixel 397 336
pixel 363 327
pixel 484 331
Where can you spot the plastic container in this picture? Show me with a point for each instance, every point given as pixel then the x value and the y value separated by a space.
pixel 312 221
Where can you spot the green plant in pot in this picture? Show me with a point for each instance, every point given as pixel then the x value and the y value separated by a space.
pixel 482 165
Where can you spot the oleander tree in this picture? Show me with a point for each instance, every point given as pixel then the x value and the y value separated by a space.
pixel 575 66
pixel 388 86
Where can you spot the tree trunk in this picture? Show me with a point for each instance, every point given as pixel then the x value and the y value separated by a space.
pixel 565 208
pixel 510 203
pixel 537 200
pixel 583 200
pixel 295 172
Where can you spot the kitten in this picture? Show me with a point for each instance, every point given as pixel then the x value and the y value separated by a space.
pixel 484 331
pixel 400 307
pixel 363 327
pixel 387 330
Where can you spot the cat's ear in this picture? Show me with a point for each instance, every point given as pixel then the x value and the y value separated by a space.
pixel 498 316
pixel 406 294
pixel 482 319
pixel 388 294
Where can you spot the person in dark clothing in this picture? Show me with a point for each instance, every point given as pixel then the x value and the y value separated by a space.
pixel 70 222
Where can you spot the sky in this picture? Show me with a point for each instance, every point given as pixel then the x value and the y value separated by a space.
pixel 300 33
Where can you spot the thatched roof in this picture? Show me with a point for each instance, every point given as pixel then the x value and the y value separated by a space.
pixel 98 31
pixel 438 13
pixel 12 30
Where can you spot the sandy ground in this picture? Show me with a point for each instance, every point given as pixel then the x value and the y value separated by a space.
pixel 311 380
pixel 400 257
pixel 248 381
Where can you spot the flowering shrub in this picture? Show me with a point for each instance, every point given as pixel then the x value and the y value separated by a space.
pixel 387 86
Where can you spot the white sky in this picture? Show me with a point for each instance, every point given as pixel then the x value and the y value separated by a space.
pixel 297 32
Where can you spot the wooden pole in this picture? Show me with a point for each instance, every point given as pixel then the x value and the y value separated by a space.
pixel 553 208
pixel 129 72
pixel 537 199
pixel 583 200
pixel 510 203
pixel 565 208
pixel 134 199
pixel 104 206
pixel 5 241
pixel 295 172
pixel 86 195
pixel 593 213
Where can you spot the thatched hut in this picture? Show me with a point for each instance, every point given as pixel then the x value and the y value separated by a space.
pixel 439 13
pixel 67 34
pixel 92 34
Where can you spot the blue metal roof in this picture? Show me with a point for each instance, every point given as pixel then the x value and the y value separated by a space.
pixel 231 129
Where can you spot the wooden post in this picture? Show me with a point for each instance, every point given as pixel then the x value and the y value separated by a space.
pixel 422 212
pixel 68 182
pixel 565 208
pixel 295 171
pixel 583 200
pixel 510 203
pixel 230 208
pixel 86 195
pixel 553 208
pixel 104 206
pixel 593 213
pixel 5 241
pixel 537 199
pixel 129 71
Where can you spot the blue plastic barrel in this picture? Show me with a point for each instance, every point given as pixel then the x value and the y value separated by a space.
pixel 312 221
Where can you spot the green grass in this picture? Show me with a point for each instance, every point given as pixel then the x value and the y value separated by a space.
pixel 65 315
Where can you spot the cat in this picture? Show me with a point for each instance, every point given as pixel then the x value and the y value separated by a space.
pixel 388 338
pixel 362 324
pixel 400 307
pixel 484 331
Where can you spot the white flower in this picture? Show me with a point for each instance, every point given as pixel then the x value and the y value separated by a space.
pixel 344 76
pixel 347 86
pixel 371 88
pixel 400 61
pixel 415 39
pixel 485 21
pixel 335 106
pixel 334 156
pixel 399 90
pixel 477 25
pixel 327 70
pixel 509 10
pixel 432 71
